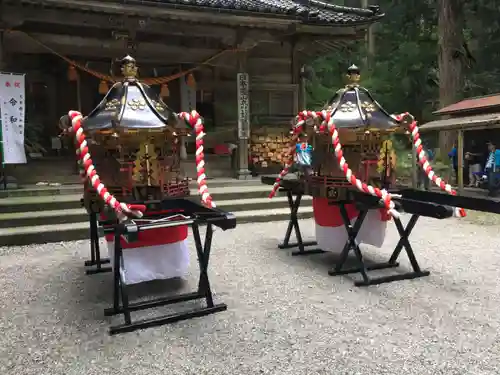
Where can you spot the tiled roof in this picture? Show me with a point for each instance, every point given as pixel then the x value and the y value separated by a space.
pixel 309 12
pixel 491 121
pixel 472 104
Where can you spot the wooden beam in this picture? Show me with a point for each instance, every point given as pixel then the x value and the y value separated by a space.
pixel 254 86
pixel 298 28
pixel 2 52
pixel 269 60
pixel 72 45
pixel 118 22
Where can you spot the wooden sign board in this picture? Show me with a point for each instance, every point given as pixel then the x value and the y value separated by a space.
pixel 243 105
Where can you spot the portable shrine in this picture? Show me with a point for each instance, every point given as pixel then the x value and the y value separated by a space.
pixel 364 127
pixel 134 140
pixel 140 196
pixel 346 161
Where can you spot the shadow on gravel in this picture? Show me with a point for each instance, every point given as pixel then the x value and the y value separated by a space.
pixel 91 294
pixel 324 262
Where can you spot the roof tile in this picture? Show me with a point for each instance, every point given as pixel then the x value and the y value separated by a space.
pixel 481 102
pixel 309 12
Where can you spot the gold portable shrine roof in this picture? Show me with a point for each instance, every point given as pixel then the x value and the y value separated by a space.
pixel 354 107
pixel 130 104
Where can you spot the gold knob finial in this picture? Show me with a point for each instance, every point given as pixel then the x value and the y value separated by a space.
pixel 353 75
pixel 129 67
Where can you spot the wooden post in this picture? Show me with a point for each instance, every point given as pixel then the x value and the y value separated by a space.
pixel 460 157
pixel 414 167
pixel 188 103
pixel 302 89
pixel 296 78
pixel 3 174
pixel 79 92
pixel 2 60
pixel 243 172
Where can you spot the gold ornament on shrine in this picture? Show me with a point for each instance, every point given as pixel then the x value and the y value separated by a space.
pixel 364 128
pixel 133 138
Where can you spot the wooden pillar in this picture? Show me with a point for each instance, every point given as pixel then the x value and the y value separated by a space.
pixel 79 92
pixel 2 54
pixel 302 89
pixel 296 78
pixel 188 103
pixel 414 167
pixel 53 115
pixel 243 139
pixel 3 172
pixel 460 156
pixel 216 98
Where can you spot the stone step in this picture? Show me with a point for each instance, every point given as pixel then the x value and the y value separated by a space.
pixel 40 191
pixel 72 201
pixel 80 230
pixel 75 215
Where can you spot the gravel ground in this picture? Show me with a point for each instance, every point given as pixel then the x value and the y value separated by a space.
pixel 285 315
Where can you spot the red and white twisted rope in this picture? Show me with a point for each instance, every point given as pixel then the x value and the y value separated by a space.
pixel 301 119
pixel 194 120
pixel 87 170
pixel 328 123
pixel 459 212
pixel 383 194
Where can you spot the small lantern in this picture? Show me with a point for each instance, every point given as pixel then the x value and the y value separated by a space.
pixel 103 87
pixel 191 82
pixel 72 73
pixel 164 91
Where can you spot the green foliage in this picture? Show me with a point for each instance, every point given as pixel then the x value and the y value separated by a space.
pixel 483 39
pixel 403 73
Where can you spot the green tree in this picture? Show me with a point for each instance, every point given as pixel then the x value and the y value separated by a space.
pixel 403 73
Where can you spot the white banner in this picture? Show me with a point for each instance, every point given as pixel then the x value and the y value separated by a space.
pixel 12 107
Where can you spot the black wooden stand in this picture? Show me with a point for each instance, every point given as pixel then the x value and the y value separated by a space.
pixel 352 244
pixel 293 224
pixel 120 290
pixel 95 262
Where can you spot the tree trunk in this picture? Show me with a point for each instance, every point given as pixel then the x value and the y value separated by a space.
pixel 450 26
pixel 369 38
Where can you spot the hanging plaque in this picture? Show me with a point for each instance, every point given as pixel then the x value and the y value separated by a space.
pixel 243 106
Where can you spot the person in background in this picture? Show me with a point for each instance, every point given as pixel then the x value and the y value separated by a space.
pixel 490 169
pixel 453 155
pixel 474 157
pixel 423 179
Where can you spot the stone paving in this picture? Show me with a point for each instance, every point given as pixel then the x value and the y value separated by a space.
pixel 285 314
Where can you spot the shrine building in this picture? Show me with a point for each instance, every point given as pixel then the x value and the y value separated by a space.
pixel 199 55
